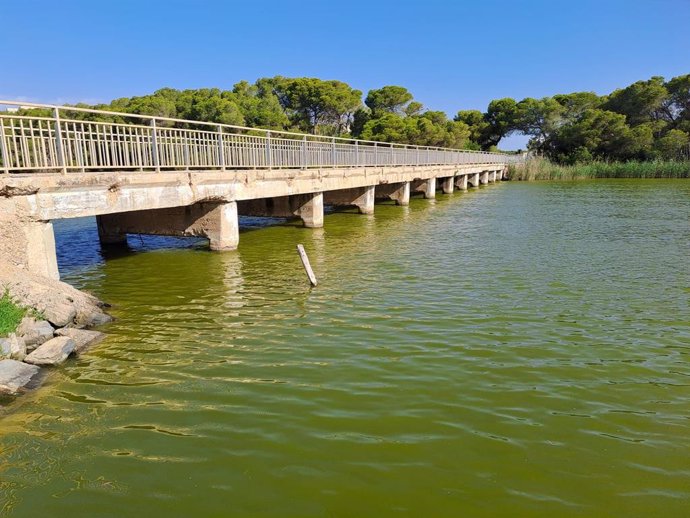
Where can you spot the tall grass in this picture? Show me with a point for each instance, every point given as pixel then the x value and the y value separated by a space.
pixel 542 169
pixel 10 314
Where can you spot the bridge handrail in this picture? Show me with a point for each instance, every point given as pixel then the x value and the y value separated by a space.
pixel 57 142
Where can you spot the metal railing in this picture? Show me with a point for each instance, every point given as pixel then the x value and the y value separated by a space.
pixel 132 142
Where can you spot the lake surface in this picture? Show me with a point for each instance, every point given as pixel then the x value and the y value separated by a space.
pixel 520 350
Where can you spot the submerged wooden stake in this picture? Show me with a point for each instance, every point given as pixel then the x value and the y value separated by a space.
pixel 307 266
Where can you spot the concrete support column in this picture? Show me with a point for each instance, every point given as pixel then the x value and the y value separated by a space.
pixel 492 176
pixel 310 209
pixel 484 178
pixel 221 226
pixel 427 187
pixel 365 202
pixel 461 182
pixel 361 197
pixel 473 179
pixel 216 221
pixel 108 233
pixel 447 185
pixel 402 195
pixel 40 249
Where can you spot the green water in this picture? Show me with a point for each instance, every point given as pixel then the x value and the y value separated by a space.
pixel 521 350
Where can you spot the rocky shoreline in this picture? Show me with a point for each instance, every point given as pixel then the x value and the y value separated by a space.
pixel 55 330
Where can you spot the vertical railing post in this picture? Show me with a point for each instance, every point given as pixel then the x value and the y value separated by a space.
pixel 221 149
pixel 269 154
pixel 3 149
pixel 59 150
pixel 376 154
pixel 356 153
pixel 154 146
pixel 304 152
pixel 428 158
pixel 417 155
pixel 333 152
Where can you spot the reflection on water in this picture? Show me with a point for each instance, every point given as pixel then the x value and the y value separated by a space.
pixel 520 350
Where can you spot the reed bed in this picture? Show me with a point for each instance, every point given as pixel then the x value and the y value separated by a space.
pixel 542 169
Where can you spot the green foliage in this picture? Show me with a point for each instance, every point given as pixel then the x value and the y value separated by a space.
pixel 10 314
pixel 391 99
pixel 317 106
pixel 647 120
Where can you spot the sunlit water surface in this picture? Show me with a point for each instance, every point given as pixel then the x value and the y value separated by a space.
pixel 521 350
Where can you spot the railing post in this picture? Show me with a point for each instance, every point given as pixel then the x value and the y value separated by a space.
pixel 58 142
pixel 269 154
pixel 221 149
pixel 304 152
pixel 376 154
pixel 417 159
pixel 356 153
pixel 334 159
pixel 154 146
pixel 3 149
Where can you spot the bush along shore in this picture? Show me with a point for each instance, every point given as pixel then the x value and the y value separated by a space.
pixel 42 323
pixel 543 169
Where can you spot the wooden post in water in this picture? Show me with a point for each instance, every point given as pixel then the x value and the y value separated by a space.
pixel 307 266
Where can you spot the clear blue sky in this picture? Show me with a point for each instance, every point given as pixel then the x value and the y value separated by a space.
pixel 451 54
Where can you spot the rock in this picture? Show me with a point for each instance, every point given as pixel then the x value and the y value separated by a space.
pixel 35 332
pixel 52 352
pixel 14 375
pixel 13 347
pixel 60 303
pixel 60 314
pixel 96 318
pixel 82 337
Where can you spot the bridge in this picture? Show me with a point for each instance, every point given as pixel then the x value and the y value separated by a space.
pixel 158 175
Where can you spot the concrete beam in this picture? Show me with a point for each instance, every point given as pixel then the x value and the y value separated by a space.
pixel 74 195
pixel 426 187
pixel 216 221
pixel 447 185
pixel 398 192
pixel 461 182
pixel 361 197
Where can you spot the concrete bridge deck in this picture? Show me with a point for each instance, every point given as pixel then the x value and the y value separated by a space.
pixel 181 181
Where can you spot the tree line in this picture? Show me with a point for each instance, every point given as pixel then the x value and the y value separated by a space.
pixel 646 120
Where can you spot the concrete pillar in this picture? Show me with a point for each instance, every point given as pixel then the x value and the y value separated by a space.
pixel 401 196
pixel 492 177
pixel 221 226
pixel 40 249
pixel 365 202
pixel 361 197
pixel 484 178
pixel 310 209
pixel 398 192
pixel 427 187
pixel 447 185
pixel 461 182
pixel 473 179
pixel 216 221
pixel 109 234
